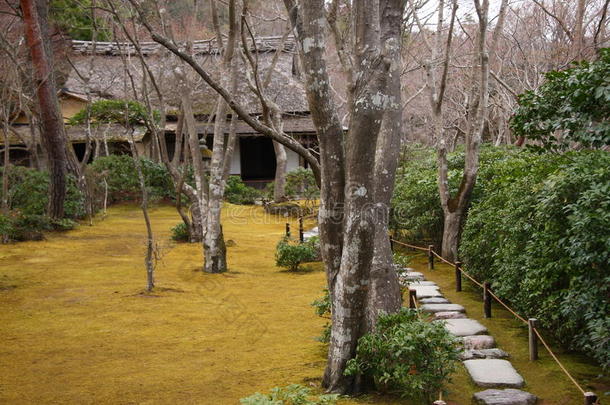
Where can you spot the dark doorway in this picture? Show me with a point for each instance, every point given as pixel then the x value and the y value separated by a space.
pixel 257 158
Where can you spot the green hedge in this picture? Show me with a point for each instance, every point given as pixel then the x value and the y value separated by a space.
pixel 541 236
pixel 122 178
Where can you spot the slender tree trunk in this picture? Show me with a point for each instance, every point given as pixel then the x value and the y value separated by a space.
pixel 149 259
pixel 44 78
pixel 281 160
pixel 5 172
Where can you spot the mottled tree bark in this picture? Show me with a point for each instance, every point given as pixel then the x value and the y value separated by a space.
pixel 37 37
pixel 351 235
pixel 281 161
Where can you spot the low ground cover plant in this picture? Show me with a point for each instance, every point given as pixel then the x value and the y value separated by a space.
pixel 291 254
pixel 407 355
pixel 293 394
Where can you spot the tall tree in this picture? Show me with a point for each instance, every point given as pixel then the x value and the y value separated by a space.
pixel 352 199
pixel 35 16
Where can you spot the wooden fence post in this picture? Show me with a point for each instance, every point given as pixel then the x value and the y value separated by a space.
pixel 590 398
pixel 430 257
pixel 287 230
pixel 301 238
pixel 533 339
pixel 486 300
pixel 412 298
pixel 458 276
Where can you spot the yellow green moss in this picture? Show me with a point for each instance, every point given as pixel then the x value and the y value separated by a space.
pixel 76 326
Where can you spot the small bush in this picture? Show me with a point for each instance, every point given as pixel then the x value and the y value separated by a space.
pixel 123 183
pixel 301 183
pixel 236 192
pixel 180 233
pixel 291 255
pixel 407 356
pixel 293 394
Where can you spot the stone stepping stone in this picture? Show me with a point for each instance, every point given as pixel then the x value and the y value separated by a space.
pixel 435 300
pixel 449 315
pixel 508 396
pixel 464 327
pixel 478 342
pixel 309 235
pixel 419 283
pixel 410 277
pixel 427 291
pixel 483 354
pixel 493 373
pixel 442 307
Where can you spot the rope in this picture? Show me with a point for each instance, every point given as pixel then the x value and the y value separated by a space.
pixel 410 246
pixel 507 307
pixel 557 360
pixel 469 277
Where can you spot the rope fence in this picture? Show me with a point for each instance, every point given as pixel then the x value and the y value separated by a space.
pixel 534 334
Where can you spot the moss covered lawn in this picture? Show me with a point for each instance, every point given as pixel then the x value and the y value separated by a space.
pixel 77 327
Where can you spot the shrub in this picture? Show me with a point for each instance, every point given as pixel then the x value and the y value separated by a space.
pixel 406 355
pixel 293 394
pixel 122 178
pixel 291 255
pixel 236 192
pixel 180 233
pixel 29 193
pixel 541 235
pixel 572 106
pixel 301 183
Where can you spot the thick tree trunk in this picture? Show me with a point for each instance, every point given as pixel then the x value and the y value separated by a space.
pixel 384 293
pixel 281 160
pixel 36 34
pixel 451 235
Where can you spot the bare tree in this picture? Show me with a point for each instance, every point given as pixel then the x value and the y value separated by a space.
pixel 37 36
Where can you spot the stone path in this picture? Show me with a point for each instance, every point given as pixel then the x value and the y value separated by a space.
pixel 484 362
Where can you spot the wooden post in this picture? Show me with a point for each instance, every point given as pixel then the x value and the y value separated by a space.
pixel 486 300
pixel 430 257
pixel 590 398
pixel 412 298
pixel 458 276
pixel 287 230
pixel 533 340
pixel 301 238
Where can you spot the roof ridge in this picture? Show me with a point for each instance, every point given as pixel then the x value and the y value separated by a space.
pixel 204 46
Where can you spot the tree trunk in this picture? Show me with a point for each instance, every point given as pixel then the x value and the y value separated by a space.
pixel 37 37
pixel 215 256
pixel 5 169
pixel 384 293
pixel 279 186
pixel 451 234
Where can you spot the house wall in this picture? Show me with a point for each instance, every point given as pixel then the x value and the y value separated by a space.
pixel 236 160
pixel 293 160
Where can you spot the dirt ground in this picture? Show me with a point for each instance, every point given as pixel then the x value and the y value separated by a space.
pixel 76 327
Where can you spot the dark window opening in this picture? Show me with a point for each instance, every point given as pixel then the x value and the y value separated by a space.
pixel 257 159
